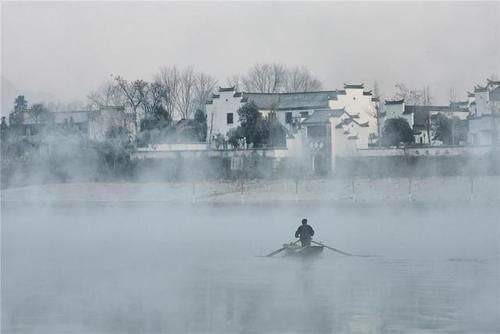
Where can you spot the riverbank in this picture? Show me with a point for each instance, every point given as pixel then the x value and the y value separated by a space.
pixel 387 191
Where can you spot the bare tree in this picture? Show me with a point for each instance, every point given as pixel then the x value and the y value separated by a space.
pixel 133 93
pixel 276 78
pixel 108 94
pixel 187 87
pixel 452 95
pixel 300 79
pixel 151 97
pixel 265 78
pixel 412 97
pixel 40 113
pixel 426 96
pixel 204 87
pixel 169 80
pixel 234 81
pixel 183 92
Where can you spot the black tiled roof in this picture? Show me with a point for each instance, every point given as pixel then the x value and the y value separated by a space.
pixel 291 101
pixel 323 116
pixel 410 109
pixel 215 96
pixel 421 119
pixel 459 104
pixel 363 125
pixel 226 89
pixel 347 121
pixel 394 101
pixel 359 86
pixel 479 89
pixel 352 116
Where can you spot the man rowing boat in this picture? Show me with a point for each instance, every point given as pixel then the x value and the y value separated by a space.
pixel 305 233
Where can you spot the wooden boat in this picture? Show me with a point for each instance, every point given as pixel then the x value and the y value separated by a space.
pixel 296 250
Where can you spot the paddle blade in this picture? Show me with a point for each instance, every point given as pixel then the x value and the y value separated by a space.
pixel 276 252
pixel 282 248
pixel 333 249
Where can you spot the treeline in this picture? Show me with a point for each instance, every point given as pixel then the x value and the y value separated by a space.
pixel 181 94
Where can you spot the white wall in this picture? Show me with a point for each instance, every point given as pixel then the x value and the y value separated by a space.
pixel 297 144
pixel 482 103
pixel 173 147
pixel 354 102
pixel 217 111
pixel 480 131
pixel 393 110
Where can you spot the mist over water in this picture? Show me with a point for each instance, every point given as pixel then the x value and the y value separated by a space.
pixel 154 268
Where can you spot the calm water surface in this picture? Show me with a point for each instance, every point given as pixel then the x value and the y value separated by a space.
pixel 153 268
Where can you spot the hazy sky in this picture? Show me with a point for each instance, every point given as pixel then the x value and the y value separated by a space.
pixel 68 49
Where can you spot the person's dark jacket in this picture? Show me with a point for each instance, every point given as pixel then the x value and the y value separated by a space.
pixel 304 232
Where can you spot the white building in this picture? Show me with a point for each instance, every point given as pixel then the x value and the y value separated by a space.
pixel 93 124
pixel 484 106
pixel 419 117
pixel 328 122
pixel 291 108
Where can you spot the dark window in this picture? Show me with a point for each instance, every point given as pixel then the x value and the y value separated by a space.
pixel 316 131
pixel 304 114
pixel 229 118
pixel 288 117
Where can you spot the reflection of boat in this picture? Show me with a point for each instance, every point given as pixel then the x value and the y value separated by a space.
pixel 296 250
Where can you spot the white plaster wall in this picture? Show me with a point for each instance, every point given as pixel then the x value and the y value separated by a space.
pixel 341 146
pixel 481 129
pixel 296 145
pixel 217 111
pixel 393 110
pixel 424 136
pixel 173 147
pixel 482 104
pixel 354 102
pixel 363 135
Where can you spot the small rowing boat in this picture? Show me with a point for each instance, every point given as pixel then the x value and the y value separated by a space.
pixel 293 249
pixel 296 250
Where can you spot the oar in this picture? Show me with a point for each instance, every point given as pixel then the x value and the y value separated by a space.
pixel 333 249
pixel 281 249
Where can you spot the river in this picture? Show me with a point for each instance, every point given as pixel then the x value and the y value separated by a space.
pixel 139 267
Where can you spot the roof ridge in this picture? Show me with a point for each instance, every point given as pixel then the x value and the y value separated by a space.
pixel 289 93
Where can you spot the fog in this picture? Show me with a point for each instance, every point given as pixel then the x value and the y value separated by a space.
pixel 66 50
pixel 155 267
pixel 96 239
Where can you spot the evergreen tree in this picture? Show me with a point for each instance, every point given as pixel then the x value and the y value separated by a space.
pixel 397 131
